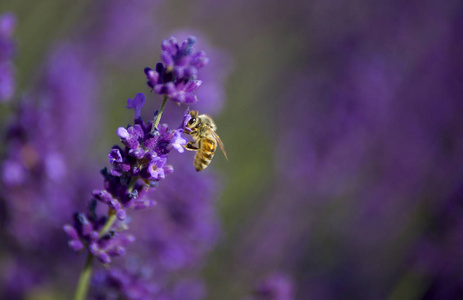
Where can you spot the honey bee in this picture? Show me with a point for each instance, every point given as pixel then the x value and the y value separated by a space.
pixel 205 140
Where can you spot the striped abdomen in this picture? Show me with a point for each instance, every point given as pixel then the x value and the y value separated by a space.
pixel 205 153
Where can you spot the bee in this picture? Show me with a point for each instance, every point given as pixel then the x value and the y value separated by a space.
pixel 205 140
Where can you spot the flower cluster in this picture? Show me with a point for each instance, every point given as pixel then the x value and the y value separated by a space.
pixel 136 167
pixel 176 75
pixel 7 50
pixel 87 230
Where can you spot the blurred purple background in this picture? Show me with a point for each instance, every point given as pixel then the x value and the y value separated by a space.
pixel 342 124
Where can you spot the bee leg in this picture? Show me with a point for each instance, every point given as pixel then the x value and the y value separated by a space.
pixel 191 146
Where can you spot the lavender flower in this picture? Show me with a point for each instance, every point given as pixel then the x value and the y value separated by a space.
pixel 176 75
pixel 7 51
pixel 136 167
pixel 85 233
pixel 212 92
pixel 142 162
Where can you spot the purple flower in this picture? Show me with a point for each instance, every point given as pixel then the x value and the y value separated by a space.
pixel 85 233
pixel 7 46
pixel 172 240
pixel 178 141
pixel 136 104
pixel 7 82
pixel 115 156
pixel 185 120
pixel 111 245
pixel 135 169
pixel 156 167
pixel 122 133
pixel 131 136
pixel 46 159
pixel 211 93
pixel 7 50
pixel 7 24
pixel 176 75
pixel 12 173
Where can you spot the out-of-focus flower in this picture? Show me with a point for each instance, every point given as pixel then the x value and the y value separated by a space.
pixel 7 51
pixel 42 155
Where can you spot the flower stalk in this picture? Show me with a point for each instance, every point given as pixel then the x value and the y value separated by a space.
pixel 84 279
pixel 139 164
pixel 159 114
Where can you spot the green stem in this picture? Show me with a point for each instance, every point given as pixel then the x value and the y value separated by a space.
pixel 112 218
pixel 84 279
pixel 158 116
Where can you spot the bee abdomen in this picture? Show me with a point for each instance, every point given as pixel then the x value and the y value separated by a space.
pixel 205 154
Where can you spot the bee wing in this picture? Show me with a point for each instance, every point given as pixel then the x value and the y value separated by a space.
pixel 219 141
pixel 209 122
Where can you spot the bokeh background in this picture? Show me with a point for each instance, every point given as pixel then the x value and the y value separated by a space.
pixel 342 122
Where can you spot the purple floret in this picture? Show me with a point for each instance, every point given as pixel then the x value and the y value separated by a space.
pixel 136 104
pixel 176 76
pixel 156 167
pixel 85 234
pixel 178 141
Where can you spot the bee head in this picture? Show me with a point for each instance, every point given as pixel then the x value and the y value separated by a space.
pixel 194 119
